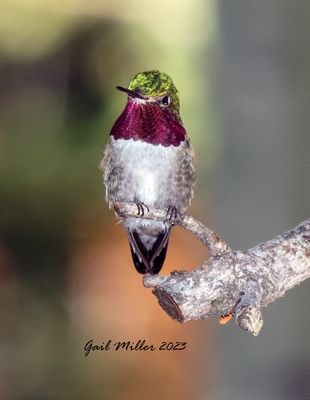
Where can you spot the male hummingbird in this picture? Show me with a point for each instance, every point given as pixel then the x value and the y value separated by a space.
pixel 149 161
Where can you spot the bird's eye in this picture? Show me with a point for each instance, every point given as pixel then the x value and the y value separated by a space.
pixel 165 101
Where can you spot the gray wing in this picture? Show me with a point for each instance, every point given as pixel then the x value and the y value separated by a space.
pixel 183 178
pixel 113 173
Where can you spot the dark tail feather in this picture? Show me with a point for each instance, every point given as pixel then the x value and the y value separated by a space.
pixel 148 261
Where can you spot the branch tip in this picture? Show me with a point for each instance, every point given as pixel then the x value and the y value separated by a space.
pixel 250 320
pixel 168 304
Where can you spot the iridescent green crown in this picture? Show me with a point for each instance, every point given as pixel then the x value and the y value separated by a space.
pixel 155 84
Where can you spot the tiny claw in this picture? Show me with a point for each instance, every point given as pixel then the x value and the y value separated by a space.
pixel 140 207
pixel 172 212
pixel 224 319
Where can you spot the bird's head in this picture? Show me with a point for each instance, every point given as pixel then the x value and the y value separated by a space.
pixel 154 87
pixel 152 111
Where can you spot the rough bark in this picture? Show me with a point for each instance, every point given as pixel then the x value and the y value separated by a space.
pixel 232 282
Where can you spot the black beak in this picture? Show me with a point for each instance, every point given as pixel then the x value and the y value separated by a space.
pixel 131 93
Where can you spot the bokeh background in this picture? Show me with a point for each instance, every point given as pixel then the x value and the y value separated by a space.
pixel 243 72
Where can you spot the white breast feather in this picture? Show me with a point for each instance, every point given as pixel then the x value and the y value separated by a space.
pixel 146 166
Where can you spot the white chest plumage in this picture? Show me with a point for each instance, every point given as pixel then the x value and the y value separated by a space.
pixel 159 176
pixel 143 171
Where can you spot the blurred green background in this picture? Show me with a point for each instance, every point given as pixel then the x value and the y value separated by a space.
pixel 243 73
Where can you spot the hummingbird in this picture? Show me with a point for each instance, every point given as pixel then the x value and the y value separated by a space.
pixel 149 161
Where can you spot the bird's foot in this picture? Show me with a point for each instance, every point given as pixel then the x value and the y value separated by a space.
pixel 172 213
pixel 141 207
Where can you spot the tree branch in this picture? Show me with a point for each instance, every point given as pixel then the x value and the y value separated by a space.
pixel 215 244
pixel 232 282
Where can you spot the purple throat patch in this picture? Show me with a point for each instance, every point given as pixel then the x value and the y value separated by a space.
pixel 149 123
